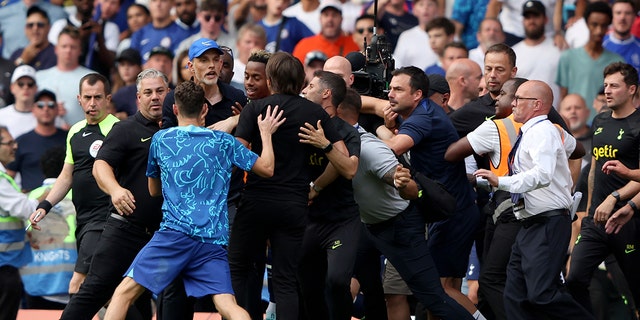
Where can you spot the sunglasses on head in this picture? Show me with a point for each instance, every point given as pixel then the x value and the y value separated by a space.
pixel 29 84
pixel 227 50
pixel 362 30
pixel 43 104
pixel 40 25
pixel 217 18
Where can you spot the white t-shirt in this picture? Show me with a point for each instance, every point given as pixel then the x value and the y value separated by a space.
pixel 311 19
pixel 539 62
pixel 19 122
pixel 406 53
pixel 578 34
pixel 65 86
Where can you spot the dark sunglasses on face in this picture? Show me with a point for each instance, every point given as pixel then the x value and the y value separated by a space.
pixel 217 18
pixel 361 30
pixel 43 104
pixel 28 84
pixel 40 25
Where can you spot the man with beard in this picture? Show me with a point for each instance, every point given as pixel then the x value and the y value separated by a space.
pixel 537 47
pixel 119 170
pixel 186 15
pixel 621 41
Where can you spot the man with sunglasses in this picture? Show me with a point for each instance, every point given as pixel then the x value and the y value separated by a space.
pixel 39 52
pixel 211 17
pixel 33 144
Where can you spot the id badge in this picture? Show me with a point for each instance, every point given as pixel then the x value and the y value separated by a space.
pixel 518 207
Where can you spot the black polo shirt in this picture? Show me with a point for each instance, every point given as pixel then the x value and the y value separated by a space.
pixel 217 112
pixel 126 149
pixel 471 115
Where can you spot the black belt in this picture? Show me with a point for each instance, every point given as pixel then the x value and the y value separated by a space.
pixel 129 223
pixel 543 217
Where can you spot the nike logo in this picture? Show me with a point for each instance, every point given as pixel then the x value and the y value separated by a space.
pixel 627 251
pixel 598 131
pixel 85 134
pixel 336 244
pixel 206 43
pixel 489 118
pixel 144 139
pixel 144 41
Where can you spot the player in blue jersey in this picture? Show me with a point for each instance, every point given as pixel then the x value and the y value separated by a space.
pixel 190 166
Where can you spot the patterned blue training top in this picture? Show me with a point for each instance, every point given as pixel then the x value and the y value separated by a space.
pixel 194 165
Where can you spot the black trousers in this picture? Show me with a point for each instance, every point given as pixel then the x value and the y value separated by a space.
pixel 533 289
pixel 283 223
pixel 11 290
pixel 499 239
pixel 326 266
pixel 593 246
pixel 401 240
pixel 368 271
pixel 118 246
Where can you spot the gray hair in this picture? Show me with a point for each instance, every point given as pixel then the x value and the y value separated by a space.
pixel 150 74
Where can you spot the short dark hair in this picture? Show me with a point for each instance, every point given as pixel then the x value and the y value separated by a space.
pixel 441 22
pixel 37 10
pixel 142 7
pixel 352 102
pixel 92 79
pixel 261 56
pixel 633 3
pixel 457 44
pixel 418 79
pixel 599 7
pixel 366 17
pixel 52 162
pixel 503 48
pixel 212 5
pixel 333 82
pixel 285 73
pixel 189 98
pixel 628 72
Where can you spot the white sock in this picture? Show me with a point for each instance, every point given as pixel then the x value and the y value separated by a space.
pixel 477 315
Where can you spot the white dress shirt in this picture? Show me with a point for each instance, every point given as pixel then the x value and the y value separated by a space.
pixel 13 202
pixel 541 168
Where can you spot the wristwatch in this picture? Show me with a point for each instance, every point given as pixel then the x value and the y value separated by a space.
pixel 633 206
pixel 616 195
pixel 328 148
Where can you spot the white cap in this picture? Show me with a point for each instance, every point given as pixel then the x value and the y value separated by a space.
pixel 331 4
pixel 23 71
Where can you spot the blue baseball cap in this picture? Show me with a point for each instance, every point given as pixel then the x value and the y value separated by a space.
pixel 201 45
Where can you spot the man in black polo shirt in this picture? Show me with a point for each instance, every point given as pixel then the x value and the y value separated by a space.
pixel 119 169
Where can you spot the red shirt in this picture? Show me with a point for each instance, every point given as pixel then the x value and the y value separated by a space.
pixel 341 47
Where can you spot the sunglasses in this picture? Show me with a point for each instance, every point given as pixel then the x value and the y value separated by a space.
pixel 29 84
pixel 227 50
pixel 362 30
pixel 43 104
pixel 217 18
pixel 40 25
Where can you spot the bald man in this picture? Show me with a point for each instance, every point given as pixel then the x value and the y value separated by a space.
pixel 464 77
pixel 340 66
pixel 540 184
pixel 574 110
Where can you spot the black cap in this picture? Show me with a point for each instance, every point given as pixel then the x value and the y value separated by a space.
pixel 47 93
pixel 535 7
pixel 161 50
pixel 438 83
pixel 130 55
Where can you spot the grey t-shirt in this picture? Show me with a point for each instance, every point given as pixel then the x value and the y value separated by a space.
pixel 378 201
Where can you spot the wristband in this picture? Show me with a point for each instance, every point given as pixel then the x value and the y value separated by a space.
pixel 633 206
pixel 315 187
pixel 328 148
pixel 616 195
pixel 46 205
